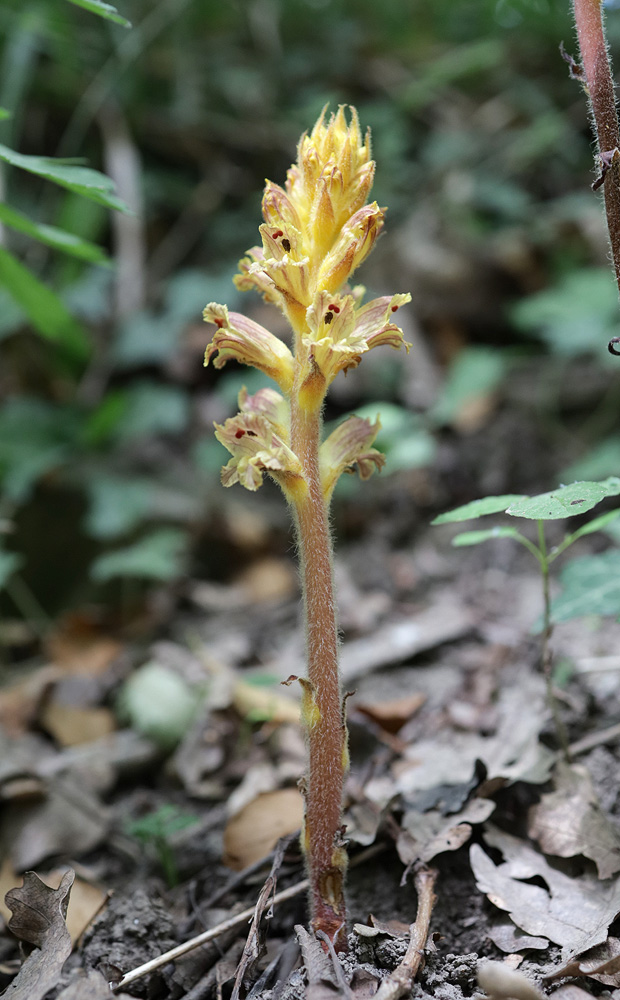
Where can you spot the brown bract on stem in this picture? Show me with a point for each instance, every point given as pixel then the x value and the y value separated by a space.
pixel 317 230
pixel 597 79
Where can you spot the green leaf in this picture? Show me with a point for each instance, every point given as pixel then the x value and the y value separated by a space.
pixel 35 438
pixel 574 317
pixel 596 525
pixel 566 501
pixel 9 562
pixel 476 537
pixel 590 586
pixel 59 239
pixel 4 114
pixel 158 556
pixel 151 408
pixel 105 10
pixel 83 180
pixel 478 508
pixel 45 310
pixel 599 462
pixel 475 372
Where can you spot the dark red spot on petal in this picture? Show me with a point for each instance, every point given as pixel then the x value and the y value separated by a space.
pixel 219 323
pixel 329 317
pixel 287 245
pixel 278 233
pixel 394 309
pixel 239 433
pixel 333 308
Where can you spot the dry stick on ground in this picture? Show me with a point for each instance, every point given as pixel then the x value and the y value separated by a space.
pixel 226 925
pixel 595 74
pixel 400 982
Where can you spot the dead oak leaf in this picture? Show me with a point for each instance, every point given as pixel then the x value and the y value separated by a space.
pixel 601 963
pixel 425 835
pixel 573 912
pixel 39 918
pixel 569 821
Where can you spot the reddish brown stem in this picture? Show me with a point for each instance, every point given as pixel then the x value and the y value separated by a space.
pixel 600 87
pixel 326 858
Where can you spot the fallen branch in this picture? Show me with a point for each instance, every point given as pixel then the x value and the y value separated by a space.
pixel 400 982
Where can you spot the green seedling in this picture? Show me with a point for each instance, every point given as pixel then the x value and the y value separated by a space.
pixel 156 830
pixel 580 596
pixel 318 229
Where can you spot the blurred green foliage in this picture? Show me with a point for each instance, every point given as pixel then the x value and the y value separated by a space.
pixel 480 137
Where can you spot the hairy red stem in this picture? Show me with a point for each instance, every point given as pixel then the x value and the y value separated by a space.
pixel 327 747
pixel 600 88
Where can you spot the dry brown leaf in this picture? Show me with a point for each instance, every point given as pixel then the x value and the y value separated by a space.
pixel 573 912
pixel 71 725
pixel 254 831
pixel 85 903
pixel 572 992
pixel 425 835
pixel 20 702
pixel 39 918
pixel 77 646
pixel 570 821
pixel 391 715
pixel 269 579
pixel 506 936
pixel 601 963
pixel 8 880
pixel 70 820
pixel 90 986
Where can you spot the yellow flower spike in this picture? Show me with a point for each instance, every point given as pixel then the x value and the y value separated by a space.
pixel 346 447
pixel 241 339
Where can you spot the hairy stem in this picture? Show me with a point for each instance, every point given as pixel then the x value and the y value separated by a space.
pixel 327 750
pixel 599 84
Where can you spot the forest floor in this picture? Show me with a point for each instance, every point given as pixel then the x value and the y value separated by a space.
pixel 455 767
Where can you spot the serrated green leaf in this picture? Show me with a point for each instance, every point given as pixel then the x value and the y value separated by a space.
pixel 59 239
pixel 476 537
pixel 9 562
pixel 83 180
pixel 105 10
pixel 158 556
pixel 590 586
pixel 566 501
pixel 479 508
pixel 47 313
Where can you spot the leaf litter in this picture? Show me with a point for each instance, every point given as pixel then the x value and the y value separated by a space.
pixel 438 746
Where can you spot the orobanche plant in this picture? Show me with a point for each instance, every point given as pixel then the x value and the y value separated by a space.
pixel 318 229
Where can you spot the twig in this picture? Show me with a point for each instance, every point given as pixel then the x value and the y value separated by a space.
pixel 592 740
pixel 399 982
pixel 226 925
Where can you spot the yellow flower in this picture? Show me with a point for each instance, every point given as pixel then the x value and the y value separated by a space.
pixel 258 440
pixel 346 447
pixel 340 332
pixel 242 339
